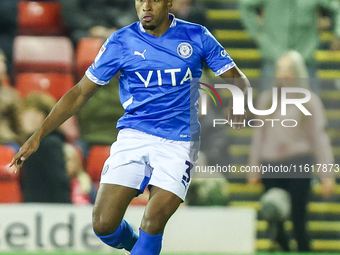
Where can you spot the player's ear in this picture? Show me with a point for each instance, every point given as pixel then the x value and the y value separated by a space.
pixel 169 4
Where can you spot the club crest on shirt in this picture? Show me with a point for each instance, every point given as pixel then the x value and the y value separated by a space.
pixel 184 50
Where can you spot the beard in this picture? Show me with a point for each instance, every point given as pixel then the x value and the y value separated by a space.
pixel 149 27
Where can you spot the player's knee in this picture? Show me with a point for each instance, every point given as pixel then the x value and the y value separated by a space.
pixel 153 224
pixel 103 226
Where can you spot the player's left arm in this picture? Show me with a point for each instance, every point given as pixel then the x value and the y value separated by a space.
pixel 241 81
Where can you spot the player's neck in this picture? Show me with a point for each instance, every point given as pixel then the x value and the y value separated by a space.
pixel 161 29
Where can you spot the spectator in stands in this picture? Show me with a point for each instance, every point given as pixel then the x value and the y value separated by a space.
pixel 286 146
pixel 82 189
pixel 43 177
pixel 4 81
pixel 213 143
pixel 190 10
pixel 70 129
pixel 278 26
pixel 87 18
pixel 10 128
pixel 98 117
pixel 8 24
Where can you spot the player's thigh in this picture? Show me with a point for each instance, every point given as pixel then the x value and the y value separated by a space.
pixel 110 206
pixel 161 206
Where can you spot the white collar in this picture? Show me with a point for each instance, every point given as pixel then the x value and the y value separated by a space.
pixel 171 17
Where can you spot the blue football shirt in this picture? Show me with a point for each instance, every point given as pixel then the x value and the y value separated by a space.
pixel 158 85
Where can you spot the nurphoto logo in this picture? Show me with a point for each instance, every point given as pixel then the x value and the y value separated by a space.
pixel 279 95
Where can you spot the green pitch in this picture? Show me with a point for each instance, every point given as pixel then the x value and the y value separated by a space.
pixel 116 253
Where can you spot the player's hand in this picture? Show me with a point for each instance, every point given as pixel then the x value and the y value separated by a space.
pixel 235 121
pixel 327 187
pixel 29 147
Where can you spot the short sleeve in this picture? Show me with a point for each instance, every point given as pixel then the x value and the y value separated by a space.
pixel 216 57
pixel 107 62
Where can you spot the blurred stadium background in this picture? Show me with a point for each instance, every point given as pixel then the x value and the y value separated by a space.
pixel 324 216
pixel 33 62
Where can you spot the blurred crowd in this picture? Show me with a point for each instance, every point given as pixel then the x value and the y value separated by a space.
pixel 287 33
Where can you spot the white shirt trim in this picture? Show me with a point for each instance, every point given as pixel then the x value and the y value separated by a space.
pixel 173 18
pixel 95 79
pixel 127 103
pixel 225 68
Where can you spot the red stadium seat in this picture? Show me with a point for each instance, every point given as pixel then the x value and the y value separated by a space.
pixel 55 84
pixel 95 161
pixel 87 50
pixel 6 155
pixel 9 184
pixel 10 192
pixel 43 54
pixel 40 18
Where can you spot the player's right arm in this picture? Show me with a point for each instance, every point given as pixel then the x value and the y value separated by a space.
pixel 67 106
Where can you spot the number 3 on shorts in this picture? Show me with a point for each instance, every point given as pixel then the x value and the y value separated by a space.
pixel 186 177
